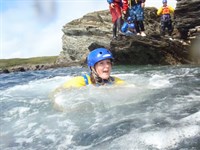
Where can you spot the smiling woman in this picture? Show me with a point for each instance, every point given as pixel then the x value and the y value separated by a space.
pixel 100 64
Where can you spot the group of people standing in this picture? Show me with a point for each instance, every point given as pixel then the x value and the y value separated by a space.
pixel 132 12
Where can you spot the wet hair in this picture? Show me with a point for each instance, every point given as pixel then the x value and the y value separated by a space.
pixel 97 80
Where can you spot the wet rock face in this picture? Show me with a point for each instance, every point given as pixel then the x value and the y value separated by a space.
pixel 81 33
pixel 187 19
pixel 149 50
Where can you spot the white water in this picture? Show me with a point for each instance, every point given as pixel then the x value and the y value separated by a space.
pixel 155 110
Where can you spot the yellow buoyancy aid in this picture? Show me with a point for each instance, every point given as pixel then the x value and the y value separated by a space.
pixel 165 10
pixel 81 81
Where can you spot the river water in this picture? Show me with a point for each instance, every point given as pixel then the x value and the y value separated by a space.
pixel 158 109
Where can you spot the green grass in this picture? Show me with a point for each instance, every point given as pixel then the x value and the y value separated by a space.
pixel 7 63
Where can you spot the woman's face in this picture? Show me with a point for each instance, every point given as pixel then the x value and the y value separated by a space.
pixel 164 4
pixel 103 68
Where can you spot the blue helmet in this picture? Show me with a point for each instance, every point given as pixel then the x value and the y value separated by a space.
pixel 164 1
pixel 98 55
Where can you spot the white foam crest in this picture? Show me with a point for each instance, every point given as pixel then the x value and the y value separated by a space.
pixel 133 79
pixel 18 112
pixel 192 119
pixel 159 81
pixel 24 140
pixel 73 102
pixel 24 127
pixel 168 138
pixel 90 98
pixel 67 141
pixel 51 137
pixel 125 75
pixel 34 88
pixel 184 103
pixel 163 139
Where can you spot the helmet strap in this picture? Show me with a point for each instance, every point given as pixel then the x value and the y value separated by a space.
pixel 98 80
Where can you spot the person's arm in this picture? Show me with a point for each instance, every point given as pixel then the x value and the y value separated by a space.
pixel 159 12
pixel 142 3
pixel 171 9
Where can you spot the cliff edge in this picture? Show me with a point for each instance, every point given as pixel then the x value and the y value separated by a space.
pixel 94 30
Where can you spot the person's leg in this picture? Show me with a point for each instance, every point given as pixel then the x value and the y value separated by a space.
pixel 170 28
pixel 141 25
pixel 115 30
pixel 162 28
pixel 137 27
pixel 116 13
pixel 119 24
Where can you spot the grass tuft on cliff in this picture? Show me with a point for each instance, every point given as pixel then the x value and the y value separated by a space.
pixel 7 63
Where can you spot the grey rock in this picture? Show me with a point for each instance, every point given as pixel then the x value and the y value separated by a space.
pixel 95 30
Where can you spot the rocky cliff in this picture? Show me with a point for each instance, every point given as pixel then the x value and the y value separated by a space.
pixel 81 33
pixel 94 30
pixel 187 18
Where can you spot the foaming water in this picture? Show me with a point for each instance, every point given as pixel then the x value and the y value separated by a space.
pixel 158 108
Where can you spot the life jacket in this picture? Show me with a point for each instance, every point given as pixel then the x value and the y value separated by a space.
pixel 166 17
pixel 85 80
pixel 165 10
pixel 110 81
